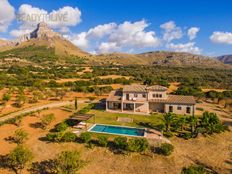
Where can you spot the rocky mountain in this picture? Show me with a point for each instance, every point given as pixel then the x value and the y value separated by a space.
pixel 164 58
pixel 43 43
pixel 227 59
pixel 45 36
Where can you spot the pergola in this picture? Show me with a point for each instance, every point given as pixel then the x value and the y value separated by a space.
pixel 82 117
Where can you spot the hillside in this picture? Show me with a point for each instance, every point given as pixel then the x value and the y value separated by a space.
pixel 44 45
pixel 2 41
pixel 161 58
pixel 45 37
pixel 227 59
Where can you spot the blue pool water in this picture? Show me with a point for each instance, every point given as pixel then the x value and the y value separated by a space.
pixel 118 130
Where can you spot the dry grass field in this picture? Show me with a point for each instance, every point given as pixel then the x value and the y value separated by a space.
pixel 213 151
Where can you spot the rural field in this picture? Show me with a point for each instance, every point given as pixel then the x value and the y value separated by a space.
pixel 94 87
pixel 211 151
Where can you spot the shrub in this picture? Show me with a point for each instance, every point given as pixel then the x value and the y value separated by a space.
pixel 47 119
pixel 102 140
pixel 69 137
pixel 137 145
pixel 55 137
pixel 51 136
pixel 69 162
pixel 85 137
pixel 86 109
pixel 61 127
pixel 166 149
pixel 20 136
pixel 186 135
pixel 120 142
pixel 18 158
pixel 193 169
pixel 6 97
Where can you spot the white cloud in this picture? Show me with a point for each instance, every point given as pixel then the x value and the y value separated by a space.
pixel 7 15
pixel 115 37
pixel 60 19
pixel 79 40
pixel 130 34
pixel 19 32
pixel 221 37
pixel 107 47
pixel 171 31
pixel 101 30
pixel 192 32
pixel 187 47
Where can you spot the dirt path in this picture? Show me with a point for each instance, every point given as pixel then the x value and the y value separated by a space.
pixel 36 108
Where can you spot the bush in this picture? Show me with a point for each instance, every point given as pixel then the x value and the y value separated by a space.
pixel 193 169
pixel 18 158
pixel 102 140
pixel 69 162
pixel 46 120
pixel 51 136
pixel 20 136
pixel 85 137
pixel 121 143
pixel 55 137
pixel 61 127
pixel 186 135
pixel 166 149
pixel 86 109
pixel 6 97
pixel 137 145
pixel 69 137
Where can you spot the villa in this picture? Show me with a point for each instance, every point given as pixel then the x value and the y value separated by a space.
pixel 142 99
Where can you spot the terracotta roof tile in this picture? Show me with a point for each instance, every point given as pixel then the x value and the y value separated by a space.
pixel 176 99
pixel 115 96
pixel 134 88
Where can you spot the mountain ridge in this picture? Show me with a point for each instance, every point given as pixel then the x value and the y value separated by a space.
pixel 227 59
pixel 63 48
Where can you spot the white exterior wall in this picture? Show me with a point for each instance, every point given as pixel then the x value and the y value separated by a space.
pixel 150 94
pixel 144 107
pixel 182 111
pixel 132 95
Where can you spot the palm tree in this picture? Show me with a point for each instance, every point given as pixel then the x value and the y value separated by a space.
pixel 182 123
pixel 192 120
pixel 168 120
pixel 208 121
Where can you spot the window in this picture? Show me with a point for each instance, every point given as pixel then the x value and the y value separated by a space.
pixel 160 95
pixel 157 95
pixel 144 95
pixel 188 110
pixel 135 95
pixel 127 96
pixel 179 108
pixel 153 95
pixel 170 108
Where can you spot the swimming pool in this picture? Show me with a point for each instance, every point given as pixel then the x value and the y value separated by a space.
pixel 117 130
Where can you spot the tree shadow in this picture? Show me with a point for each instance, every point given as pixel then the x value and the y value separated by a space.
pixel 116 150
pixel 4 161
pixel 37 125
pixel 10 139
pixel 43 167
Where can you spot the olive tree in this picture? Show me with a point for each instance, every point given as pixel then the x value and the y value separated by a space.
pixel 69 162
pixel 19 158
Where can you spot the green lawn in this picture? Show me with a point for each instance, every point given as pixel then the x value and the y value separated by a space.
pixel 104 117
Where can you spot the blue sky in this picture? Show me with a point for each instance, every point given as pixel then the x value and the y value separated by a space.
pixel 99 26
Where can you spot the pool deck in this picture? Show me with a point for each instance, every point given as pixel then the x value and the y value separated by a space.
pixel 151 134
